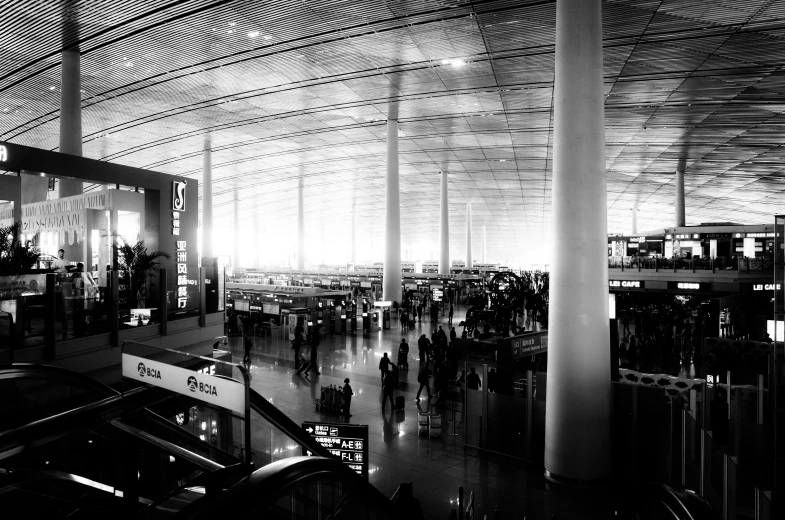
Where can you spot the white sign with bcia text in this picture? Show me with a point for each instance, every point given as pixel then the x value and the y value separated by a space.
pixel 218 391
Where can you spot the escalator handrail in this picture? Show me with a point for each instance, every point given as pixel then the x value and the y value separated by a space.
pixel 282 421
pixel 45 430
pixel 53 373
pixel 274 479
pixel 166 446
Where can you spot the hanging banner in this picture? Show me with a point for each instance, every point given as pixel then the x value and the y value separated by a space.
pixel 218 391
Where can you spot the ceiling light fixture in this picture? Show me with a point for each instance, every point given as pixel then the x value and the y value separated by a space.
pixel 253 34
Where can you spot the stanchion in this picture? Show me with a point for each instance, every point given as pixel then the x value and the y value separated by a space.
pixel 453 434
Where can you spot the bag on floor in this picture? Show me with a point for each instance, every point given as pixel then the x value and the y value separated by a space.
pixel 399 402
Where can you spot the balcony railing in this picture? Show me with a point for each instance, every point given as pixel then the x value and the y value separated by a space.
pixel 739 265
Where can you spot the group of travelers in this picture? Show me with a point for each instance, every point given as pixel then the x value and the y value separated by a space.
pixel 663 339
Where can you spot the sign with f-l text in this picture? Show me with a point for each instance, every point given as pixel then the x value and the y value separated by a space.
pixel 347 442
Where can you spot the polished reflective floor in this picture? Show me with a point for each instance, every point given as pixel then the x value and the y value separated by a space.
pixel 436 467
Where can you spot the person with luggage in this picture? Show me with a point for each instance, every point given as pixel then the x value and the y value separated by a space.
pixel 297 343
pixel 422 378
pixel 347 397
pixel 384 366
pixel 388 388
pixel 403 355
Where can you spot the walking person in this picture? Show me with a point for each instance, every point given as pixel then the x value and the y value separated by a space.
pixel 247 340
pixel 347 397
pixel 384 366
pixel 419 312
pixel 626 322
pixel 422 378
pixel 297 343
pixel 403 355
pixel 388 388
pixel 449 316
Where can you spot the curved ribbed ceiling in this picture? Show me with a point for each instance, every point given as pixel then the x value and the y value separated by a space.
pixel 285 89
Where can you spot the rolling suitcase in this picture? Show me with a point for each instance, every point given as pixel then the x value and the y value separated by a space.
pixel 399 402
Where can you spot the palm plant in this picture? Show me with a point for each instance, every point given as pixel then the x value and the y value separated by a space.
pixel 139 265
pixel 15 256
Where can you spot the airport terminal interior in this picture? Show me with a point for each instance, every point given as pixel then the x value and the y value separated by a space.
pixel 438 259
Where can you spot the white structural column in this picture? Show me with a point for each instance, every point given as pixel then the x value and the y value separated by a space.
pixel 635 219
pixel 482 256
pixel 444 226
pixel 577 414
pixel 391 281
pixel 207 200
pixel 680 217
pixel 468 235
pixel 354 235
pixel 300 225
pixel 236 230
pixel 71 116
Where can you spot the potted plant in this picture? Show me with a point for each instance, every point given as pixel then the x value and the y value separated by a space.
pixel 139 266
pixel 16 257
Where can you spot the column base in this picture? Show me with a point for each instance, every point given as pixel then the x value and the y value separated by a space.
pixel 576 483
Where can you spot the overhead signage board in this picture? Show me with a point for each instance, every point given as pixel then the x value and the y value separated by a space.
pixel 214 390
pixel 529 344
pixel 347 442
pixel 626 284
pixel 766 287
pixel 689 286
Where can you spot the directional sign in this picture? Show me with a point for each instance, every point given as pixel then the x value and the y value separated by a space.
pixel 348 442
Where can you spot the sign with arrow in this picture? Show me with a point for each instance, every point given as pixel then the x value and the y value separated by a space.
pixel 347 442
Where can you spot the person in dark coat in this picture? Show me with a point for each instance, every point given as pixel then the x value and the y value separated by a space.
pixel 384 366
pixel 422 378
pixel 403 355
pixel 449 316
pixel 347 397
pixel 473 380
pixel 388 388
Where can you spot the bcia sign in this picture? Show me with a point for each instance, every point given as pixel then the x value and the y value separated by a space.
pixel 630 284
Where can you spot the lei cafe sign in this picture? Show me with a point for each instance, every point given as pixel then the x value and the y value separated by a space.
pixel 766 287
pixel 627 284
pixel 219 391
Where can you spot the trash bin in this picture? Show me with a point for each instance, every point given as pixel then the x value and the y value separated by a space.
pixel 435 426
pixel 422 423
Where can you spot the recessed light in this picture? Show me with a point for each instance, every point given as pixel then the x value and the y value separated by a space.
pixel 230 31
pixel 51 88
pixel 253 34
pixel 129 64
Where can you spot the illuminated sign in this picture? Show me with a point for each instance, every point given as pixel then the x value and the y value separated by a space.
pixel 760 235
pixel 684 236
pixel 182 275
pixel 628 284
pixel 347 442
pixel 3 153
pixel 637 239
pixel 178 195
pixel 529 344
pixel 766 287
pixel 688 286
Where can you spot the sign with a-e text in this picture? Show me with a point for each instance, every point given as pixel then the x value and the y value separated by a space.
pixel 347 442
pixel 218 391
pixel 766 287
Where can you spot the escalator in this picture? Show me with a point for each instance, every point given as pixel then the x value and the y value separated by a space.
pixel 81 449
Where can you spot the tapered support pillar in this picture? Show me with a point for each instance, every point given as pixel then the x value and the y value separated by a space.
pixel 482 257
pixel 71 116
pixel 207 201
pixel 469 235
pixel 300 225
pixel 444 226
pixel 391 281
pixel 577 415
pixel 236 230
pixel 680 218
pixel 635 219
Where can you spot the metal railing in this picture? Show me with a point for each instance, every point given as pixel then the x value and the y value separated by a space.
pixel 739 265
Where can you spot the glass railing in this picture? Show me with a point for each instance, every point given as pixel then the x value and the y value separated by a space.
pixel 45 309
pixel 740 265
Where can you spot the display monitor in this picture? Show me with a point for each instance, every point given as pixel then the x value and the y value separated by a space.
pixel 142 315
pixel 242 306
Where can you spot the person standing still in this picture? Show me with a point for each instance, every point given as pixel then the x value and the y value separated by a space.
pixel 473 380
pixel 347 397
pixel 384 366
pixel 388 388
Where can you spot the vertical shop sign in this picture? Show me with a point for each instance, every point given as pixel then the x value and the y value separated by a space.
pixel 182 275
